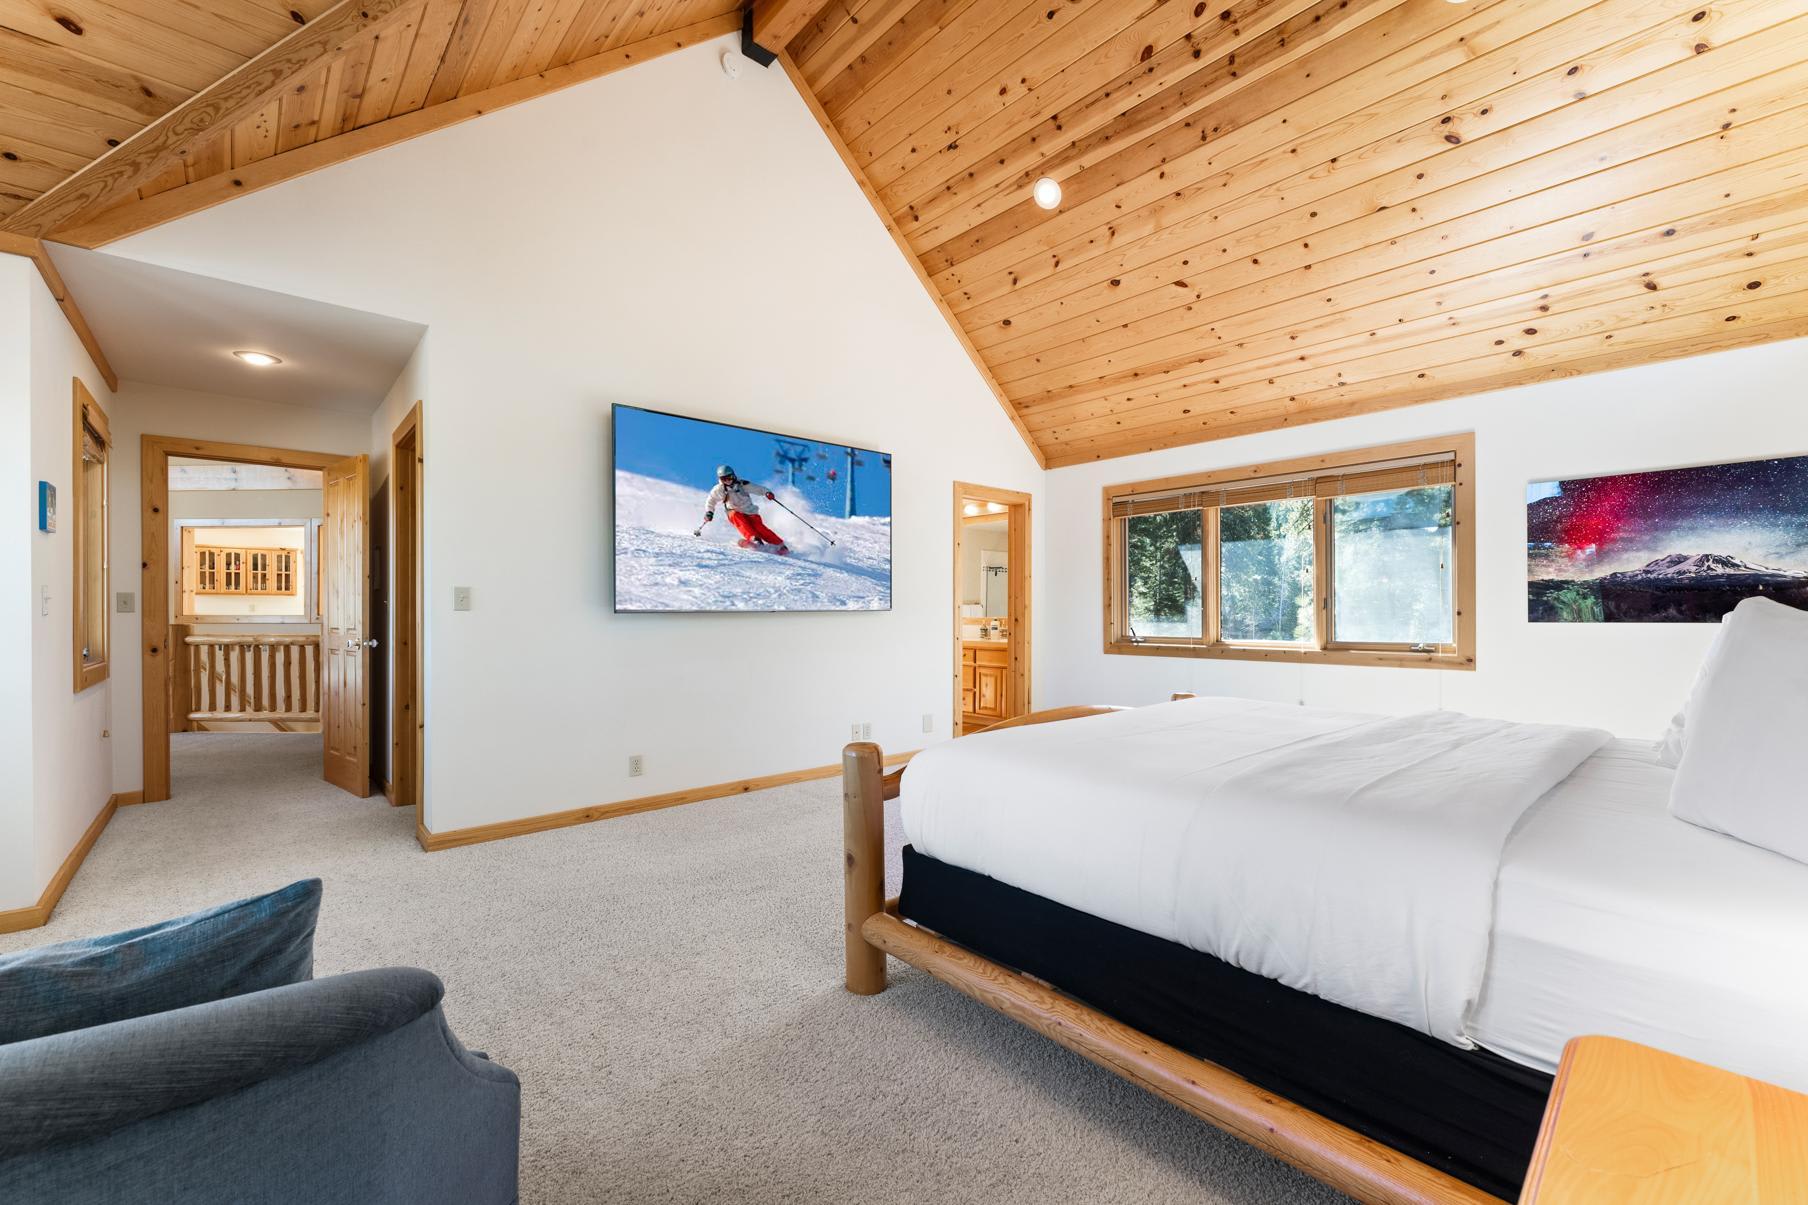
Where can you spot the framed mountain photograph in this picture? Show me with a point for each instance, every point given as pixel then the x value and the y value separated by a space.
pixel 1670 546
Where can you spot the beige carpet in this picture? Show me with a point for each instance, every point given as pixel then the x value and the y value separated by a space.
pixel 667 987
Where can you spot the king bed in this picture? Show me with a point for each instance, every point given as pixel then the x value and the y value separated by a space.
pixel 1357 942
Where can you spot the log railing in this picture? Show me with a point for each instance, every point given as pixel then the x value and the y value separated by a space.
pixel 260 678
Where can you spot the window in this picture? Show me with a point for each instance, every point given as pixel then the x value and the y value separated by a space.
pixel 1363 557
pixel 92 442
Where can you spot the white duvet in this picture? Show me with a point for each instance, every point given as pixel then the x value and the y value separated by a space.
pixel 1350 856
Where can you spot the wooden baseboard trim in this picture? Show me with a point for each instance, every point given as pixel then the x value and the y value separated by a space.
pixel 452 838
pixel 39 913
pixel 128 798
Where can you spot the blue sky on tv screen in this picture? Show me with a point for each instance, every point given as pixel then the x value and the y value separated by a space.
pixel 687 450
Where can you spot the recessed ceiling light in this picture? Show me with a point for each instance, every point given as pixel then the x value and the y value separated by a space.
pixel 1047 192
pixel 262 359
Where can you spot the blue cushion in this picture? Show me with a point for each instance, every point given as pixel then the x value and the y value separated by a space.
pixel 245 946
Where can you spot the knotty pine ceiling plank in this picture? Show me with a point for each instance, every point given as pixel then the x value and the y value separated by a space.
pixel 50 70
pixel 389 51
pixel 1408 298
pixel 592 28
pixel 998 66
pixel 124 40
pixel 487 56
pixel 1553 316
pixel 1560 65
pixel 448 79
pixel 867 22
pixel 1462 180
pixel 973 31
pixel 1011 142
pixel 123 219
pixel 302 107
pixel 1320 410
pixel 1340 77
pixel 225 103
pixel 1388 237
pixel 72 128
pixel 433 34
pixel 1684 335
pixel 1267 358
pixel 871 70
pixel 545 49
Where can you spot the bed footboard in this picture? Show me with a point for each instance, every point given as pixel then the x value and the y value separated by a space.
pixel 865 788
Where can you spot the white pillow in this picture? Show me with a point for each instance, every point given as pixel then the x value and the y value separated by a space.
pixel 1744 770
pixel 1676 737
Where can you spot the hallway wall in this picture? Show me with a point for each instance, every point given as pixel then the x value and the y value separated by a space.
pixel 57 771
pixel 663 237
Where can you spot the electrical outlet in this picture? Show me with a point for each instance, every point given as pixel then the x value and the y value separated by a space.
pixel 461 598
pixel 43 600
pixel 124 602
pixel 637 765
pixel 866 732
pixel 928 722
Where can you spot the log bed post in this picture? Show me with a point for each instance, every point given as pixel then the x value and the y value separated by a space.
pixel 863 848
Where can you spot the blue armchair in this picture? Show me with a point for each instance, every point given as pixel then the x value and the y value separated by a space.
pixel 346 1089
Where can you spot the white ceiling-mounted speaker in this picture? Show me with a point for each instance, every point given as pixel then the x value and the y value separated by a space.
pixel 731 64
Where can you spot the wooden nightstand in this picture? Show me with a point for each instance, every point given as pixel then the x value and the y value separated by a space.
pixel 1629 1125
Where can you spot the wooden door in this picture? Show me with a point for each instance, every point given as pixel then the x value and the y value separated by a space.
pixel 344 611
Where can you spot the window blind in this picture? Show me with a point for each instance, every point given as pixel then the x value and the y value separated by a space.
pixel 1375 477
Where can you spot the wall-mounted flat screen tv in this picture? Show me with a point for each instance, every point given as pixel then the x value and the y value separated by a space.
pixel 714 517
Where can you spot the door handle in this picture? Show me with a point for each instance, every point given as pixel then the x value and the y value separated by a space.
pixel 354 645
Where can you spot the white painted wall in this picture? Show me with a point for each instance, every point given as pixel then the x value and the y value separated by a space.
pixel 663 237
pixel 1625 677
pixel 56 768
pixel 142 409
pixel 18 535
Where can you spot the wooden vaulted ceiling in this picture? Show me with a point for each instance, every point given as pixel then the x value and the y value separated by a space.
pixel 119 114
pixel 1280 211
pixel 1274 211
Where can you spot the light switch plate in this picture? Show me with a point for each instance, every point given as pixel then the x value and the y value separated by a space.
pixel 125 602
pixel 461 598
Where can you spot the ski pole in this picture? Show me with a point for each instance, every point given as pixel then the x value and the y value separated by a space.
pixel 801 519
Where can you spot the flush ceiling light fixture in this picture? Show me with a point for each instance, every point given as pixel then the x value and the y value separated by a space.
pixel 1047 192
pixel 262 359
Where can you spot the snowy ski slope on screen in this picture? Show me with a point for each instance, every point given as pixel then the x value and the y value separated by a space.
pixel 661 566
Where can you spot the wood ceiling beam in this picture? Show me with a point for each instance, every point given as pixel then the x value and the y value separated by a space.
pixel 113 176
pixel 34 250
pixel 891 227
pixel 776 22
pixel 134 216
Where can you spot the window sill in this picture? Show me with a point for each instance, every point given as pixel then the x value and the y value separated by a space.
pixel 1308 656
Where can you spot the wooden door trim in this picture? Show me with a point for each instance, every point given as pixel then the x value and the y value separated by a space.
pixel 1017 517
pixel 405 610
pixel 154 452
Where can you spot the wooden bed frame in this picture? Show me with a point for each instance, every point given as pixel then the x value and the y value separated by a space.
pixel 1323 1149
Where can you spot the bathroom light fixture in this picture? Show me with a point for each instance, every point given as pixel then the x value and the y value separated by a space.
pixel 993 508
pixel 1047 192
pixel 262 359
pixel 972 508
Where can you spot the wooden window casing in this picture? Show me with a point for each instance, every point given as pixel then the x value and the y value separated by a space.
pixel 1447 460
pixel 88 507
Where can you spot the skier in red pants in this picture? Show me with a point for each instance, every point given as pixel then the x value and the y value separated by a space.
pixel 732 492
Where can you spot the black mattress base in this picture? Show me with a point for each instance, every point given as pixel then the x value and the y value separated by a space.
pixel 1469 1113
